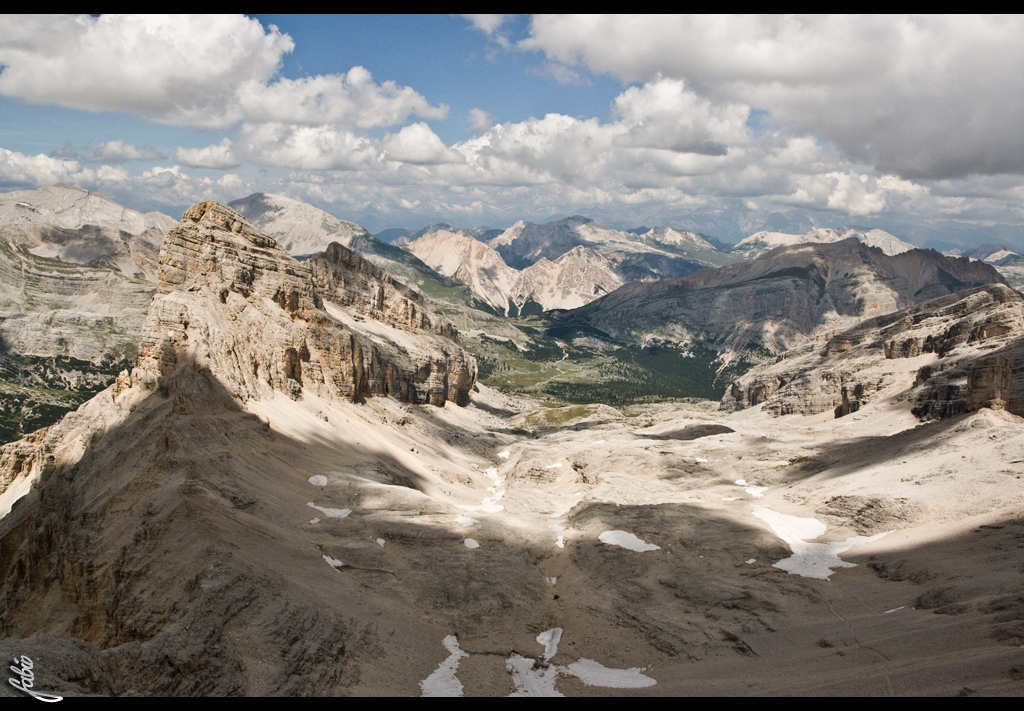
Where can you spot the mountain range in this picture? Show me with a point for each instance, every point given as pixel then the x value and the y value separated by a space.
pixel 302 482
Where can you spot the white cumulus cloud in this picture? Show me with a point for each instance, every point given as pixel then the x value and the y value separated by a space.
pixel 417 144
pixel 177 69
pixel 117 151
pixel 219 155
pixel 305 147
pixel 352 99
pixel 919 96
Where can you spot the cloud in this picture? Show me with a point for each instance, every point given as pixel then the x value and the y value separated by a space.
pixel 220 156
pixel 117 151
pixel 175 69
pixel 923 97
pixel 665 114
pixel 23 171
pixel 480 120
pixel 417 144
pixel 488 24
pixel 207 71
pixel 351 100
pixel 305 147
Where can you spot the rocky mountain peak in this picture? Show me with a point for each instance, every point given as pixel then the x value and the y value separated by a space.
pixel 232 301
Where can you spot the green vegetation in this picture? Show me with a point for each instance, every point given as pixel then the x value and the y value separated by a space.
pixel 582 365
pixel 37 391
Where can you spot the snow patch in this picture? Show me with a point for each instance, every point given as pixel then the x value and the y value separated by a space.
pixel 442 681
pixel 529 681
pixel 556 465
pixel 810 560
pixel 594 673
pixel 622 539
pixel 330 513
pixel 318 480
pixel 755 491
pixel 550 639
pixel 504 455
pixel 470 543
pixel 333 562
pixel 465 520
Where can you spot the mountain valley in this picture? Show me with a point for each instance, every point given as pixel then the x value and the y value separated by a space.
pixel 317 469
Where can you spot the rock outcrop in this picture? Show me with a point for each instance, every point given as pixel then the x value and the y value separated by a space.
pixel 951 355
pixel 232 301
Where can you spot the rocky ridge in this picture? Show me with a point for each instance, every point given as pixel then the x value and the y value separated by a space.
pixel 951 355
pixel 778 301
pixel 334 324
pixel 764 241
pixel 85 228
pixel 570 280
pixel 77 272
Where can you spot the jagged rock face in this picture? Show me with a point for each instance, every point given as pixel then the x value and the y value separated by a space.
pixel 951 355
pixel 779 300
pixel 573 279
pixel 460 256
pixel 233 301
pixel 576 278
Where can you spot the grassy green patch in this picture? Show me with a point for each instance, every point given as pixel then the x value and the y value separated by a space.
pixel 581 365
pixel 37 391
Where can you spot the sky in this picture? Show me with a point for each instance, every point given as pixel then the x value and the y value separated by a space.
pixel 476 120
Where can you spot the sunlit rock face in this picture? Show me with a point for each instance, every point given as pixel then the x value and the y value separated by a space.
pixel 234 301
pixel 951 355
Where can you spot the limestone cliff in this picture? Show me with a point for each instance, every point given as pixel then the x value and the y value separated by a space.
pixel 234 302
pixel 950 355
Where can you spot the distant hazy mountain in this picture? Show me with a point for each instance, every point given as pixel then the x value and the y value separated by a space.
pixel 656 253
pixel 82 227
pixel 561 264
pixel 761 242
pixel 776 301
pixel 570 280
pixel 300 228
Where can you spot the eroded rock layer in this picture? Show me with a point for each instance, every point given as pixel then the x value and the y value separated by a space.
pixel 233 301
pixel 951 355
